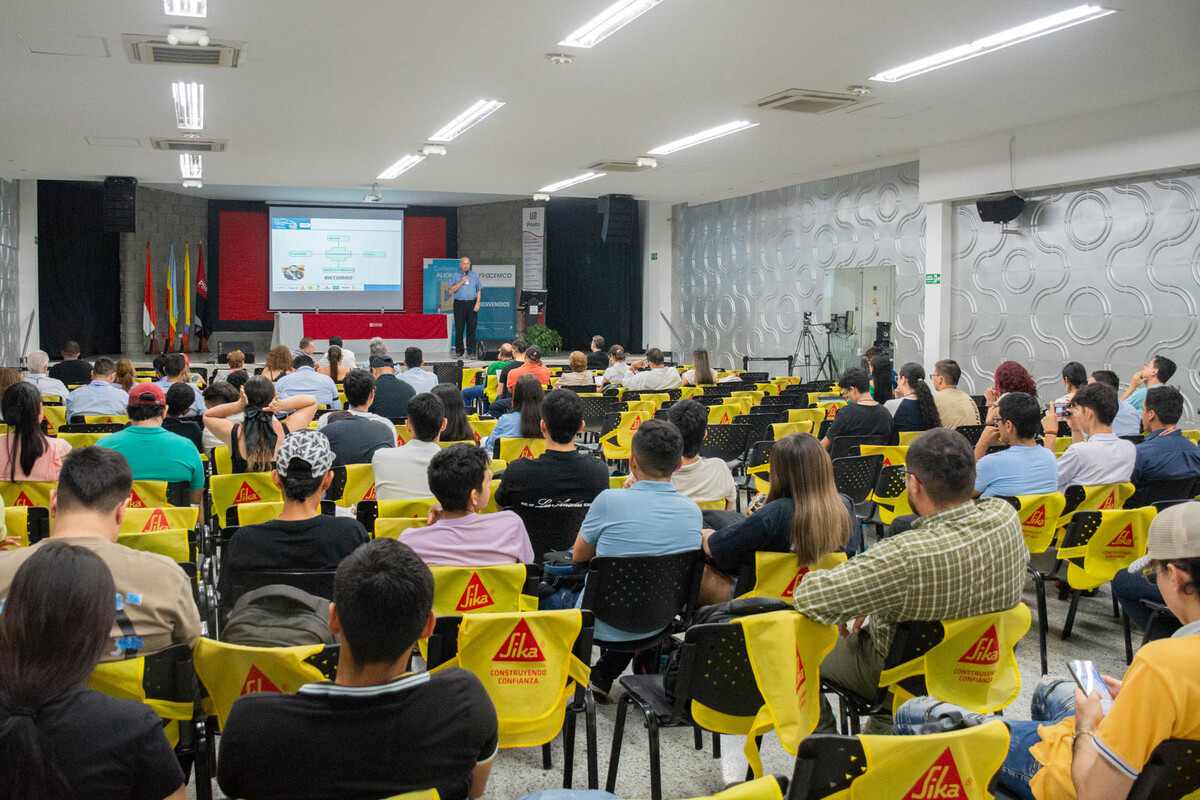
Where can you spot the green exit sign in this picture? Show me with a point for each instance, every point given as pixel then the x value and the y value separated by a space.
pixel 654 256
pixel 933 277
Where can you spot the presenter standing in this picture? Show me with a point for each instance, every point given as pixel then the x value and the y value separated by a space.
pixel 467 293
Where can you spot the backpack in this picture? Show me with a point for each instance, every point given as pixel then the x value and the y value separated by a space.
pixel 278 616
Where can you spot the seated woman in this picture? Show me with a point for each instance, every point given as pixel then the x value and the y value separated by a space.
pixel 126 375
pixel 1009 377
pixel 255 440
pixel 916 410
pixel 27 454
pixel 334 365
pixel 59 738
pixel 458 428
pixel 578 374
pixel 279 363
pixel 524 421
pixel 236 361
pixel 701 373
pixel 617 368
pixel 804 514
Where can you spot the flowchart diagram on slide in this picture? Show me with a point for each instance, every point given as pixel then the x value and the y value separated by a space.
pixel 324 255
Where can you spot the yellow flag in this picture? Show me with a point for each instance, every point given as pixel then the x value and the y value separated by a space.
pixel 187 288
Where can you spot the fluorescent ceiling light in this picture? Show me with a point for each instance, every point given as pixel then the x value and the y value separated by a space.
pixel 400 167
pixel 477 113
pixel 997 41
pixel 607 22
pixel 193 184
pixel 702 137
pixel 189 105
pixel 555 187
pixel 186 8
pixel 190 165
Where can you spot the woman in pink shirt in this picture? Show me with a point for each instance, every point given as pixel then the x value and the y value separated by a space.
pixel 27 454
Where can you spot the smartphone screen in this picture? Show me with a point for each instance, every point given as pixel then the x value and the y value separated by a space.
pixel 1088 678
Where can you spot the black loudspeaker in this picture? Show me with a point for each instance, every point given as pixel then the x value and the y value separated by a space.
pixel 489 349
pixel 620 218
pixel 119 205
pixel 1006 209
pixel 223 349
pixel 448 372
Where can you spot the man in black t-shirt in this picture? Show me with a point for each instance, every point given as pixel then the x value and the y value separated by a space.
pixel 391 393
pixel 503 402
pixel 72 370
pixel 378 730
pixel 598 357
pixel 862 416
pixel 301 538
pixel 355 434
pixel 552 493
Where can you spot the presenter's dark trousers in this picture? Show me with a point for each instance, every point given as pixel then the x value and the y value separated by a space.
pixel 465 317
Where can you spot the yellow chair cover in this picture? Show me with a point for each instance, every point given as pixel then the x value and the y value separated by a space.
pixel 723 414
pixel 512 449
pixel 258 513
pixel 615 444
pixel 124 681
pixel 145 520
pixel 416 507
pixel 26 493
pixel 778 574
pixel 892 454
pixel 241 488
pixel 492 506
pixel 360 485
pixel 832 407
pixel 16 522
pixel 767 389
pixel 711 505
pixel 170 543
pixel 688 392
pixel 1117 543
pixel 491 389
pixel 1099 497
pixel 782 430
pixel 766 788
pixel 105 419
pixel 81 440
pixel 421 794
pixel 221 460
pixel 148 494
pixel 468 376
pixel 908 437
pixel 56 417
pixel 483 427
pixel 813 415
pixel 1039 519
pixel 617 481
pixel 229 671
pixel 497 465
pixel 394 527
pixel 402 435
pixel 469 590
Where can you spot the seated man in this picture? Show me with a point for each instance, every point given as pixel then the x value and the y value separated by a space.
pixel 1128 421
pixel 1024 468
pixel 389 730
pixel 420 379
pixel 154 453
pixel 1156 372
pixel 861 416
pixel 533 366
pixel 392 395
pixel 474 395
pixel 101 396
pixel 963 557
pixel 36 362
pixel 1165 454
pixel 649 519
pixel 356 434
pixel 175 370
pixel 1097 455
pixel 301 538
pixel 72 370
pixel 1072 747
pixel 652 374
pixel 155 608
pixel 701 479
pixel 955 407
pixel 179 420
pixel 597 359
pixel 458 534
pixel 304 379
pixel 503 403
pixel 401 473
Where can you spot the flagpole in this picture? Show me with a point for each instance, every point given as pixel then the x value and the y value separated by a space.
pixel 187 298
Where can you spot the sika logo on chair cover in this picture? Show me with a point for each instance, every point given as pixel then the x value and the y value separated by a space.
pixel 230 671
pixel 778 574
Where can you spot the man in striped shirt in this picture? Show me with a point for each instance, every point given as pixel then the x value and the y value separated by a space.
pixel 961 559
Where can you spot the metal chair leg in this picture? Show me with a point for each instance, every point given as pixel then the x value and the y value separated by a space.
pixel 1039 585
pixel 614 758
pixel 697 737
pixel 655 758
pixel 568 736
pixel 716 745
pixel 546 756
pixel 589 714
pixel 1070 622
pixel 1116 603
pixel 1127 630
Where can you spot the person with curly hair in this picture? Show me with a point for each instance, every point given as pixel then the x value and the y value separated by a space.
pixel 1010 376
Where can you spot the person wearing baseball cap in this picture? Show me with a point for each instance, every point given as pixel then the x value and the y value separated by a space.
pixel 301 537
pixel 153 452
pixel 391 393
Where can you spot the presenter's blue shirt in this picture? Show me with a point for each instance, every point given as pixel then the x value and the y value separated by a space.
pixel 1016 471
pixel 469 289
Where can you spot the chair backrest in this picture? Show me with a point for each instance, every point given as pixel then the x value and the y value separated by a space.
pixel 1172 773
pixel 157 494
pixel 352 483
pixel 1039 514
pixel 394 527
pixel 1098 544
pixel 643 594
pixel 227 491
pixel 145 520
pixel 971 432
pixel 255 513
pixel 856 476
pixel 27 524
pixel 554 526
pixel 781 430
pixel 26 493
pixel 892 453
pixel 176 544
pixel 414 507
pixel 55 417
pixel 906 438
pixel 513 449
pixel 891 493
pixel 714 670
pixel 776 575
pixel 229 671
pixel 726 442
pixel 1149 493
pixel 164 681
pixel 317 582
pixel 842 446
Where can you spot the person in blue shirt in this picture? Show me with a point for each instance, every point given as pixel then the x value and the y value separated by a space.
pixel 467 292
pixel 305 380
pixel 175 370
pixel 1128 421
pixel 524 421
pixel 1156 372
pixel 649 519
pixel 1024 468
pixel 101 396
pixel 1165 454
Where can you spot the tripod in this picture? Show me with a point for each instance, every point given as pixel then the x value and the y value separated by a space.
pixel 808 354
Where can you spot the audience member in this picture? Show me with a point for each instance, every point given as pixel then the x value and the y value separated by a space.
pixel 1011 376
pixel 410 731
pixel 155 608
pixel 458 533
pixel 306 347
pixel 617 368
pixel 1156 372
pixel 533 366
pixel 357 434
pixel 254 441
pixel 377 347
pixel 414 374
pixel 701 373
pixel 524 421
pixel 305 380
pixel 215 394
pixel 963 558
pixel 126 375
pixel 1074 378
pixel 652 373
pixel 235 361
pixel 154 453
pixel 1073 747
pixel 1023 468
pixel 175 369
pixel 503 403
pixel 334 365
pixel 279 363
pixel 1128 421
pixel 392 395
pixel 597 358
pixel 59 738
pixel 8 377
pixel 301 537
pixel 861 416
pixel 648 519
pixel 157 364
pixel 179 420
pixel 36 362
pixel 804 514
pixel 955 407
pixel 701 479
pixel 26 453
pixel 883 378
pixel 72 370
pixel 1165 454
pixel 914 408
pixel 458 427
pixel 401 473
pixel 348 360
pixel 101 396
pixel 1097 455
pixel 473 396
pixel 577 374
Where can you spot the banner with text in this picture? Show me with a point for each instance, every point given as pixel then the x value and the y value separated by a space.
pixel 533 248
pixel 498 304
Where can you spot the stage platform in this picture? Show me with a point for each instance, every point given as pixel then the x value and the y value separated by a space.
pixel 209 360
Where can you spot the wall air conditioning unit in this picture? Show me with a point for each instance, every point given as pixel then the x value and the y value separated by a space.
pixel 142 49
pixel 184 144
pixel 807 101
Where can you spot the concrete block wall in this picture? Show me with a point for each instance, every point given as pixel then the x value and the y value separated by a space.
pixel 491 233
pixel 163 218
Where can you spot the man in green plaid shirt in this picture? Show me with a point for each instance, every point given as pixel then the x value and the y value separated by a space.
pixel 961 559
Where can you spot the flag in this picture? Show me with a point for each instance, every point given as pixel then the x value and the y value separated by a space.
pixel 149 312
pixel 201 320
pixel 185 320
pixel 171 301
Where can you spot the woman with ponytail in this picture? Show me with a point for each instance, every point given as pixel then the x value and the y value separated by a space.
pixel 27 454
pixel 916 411
pixel 335 366
pixel 255 440
pixel 58 739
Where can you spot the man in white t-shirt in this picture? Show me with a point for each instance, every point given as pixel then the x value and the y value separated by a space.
pixel 701 479
pixel 652 374
pixel 414 374
pixel 402 473
pixel 1097 455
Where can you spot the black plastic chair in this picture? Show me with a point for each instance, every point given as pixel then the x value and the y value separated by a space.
pixel 823 428
pixel 971 432
pixel 710 399
pixel 1172 772
pixel 552 527
pixel 855 477
pixel 1137 438
pixel 37 524
pixel 1154 492
pixel 842 446
pixel 1079 531
pixel 760 423
pixel 728 443
pixel 1161 625
pixel 317 582
pixel 95 427
pixel 758 453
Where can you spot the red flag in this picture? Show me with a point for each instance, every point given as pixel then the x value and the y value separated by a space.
pixel 149 312
pixel 200 324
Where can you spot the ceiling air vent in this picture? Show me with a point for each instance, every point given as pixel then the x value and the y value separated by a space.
pixel 807 101
pixel 617 166
pixel 189 145
pixel 156 50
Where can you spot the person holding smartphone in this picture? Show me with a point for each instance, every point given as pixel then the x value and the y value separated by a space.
pixel 1073 747
pixel 467 291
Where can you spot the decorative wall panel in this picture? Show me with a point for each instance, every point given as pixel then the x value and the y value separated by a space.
pixel 1106 275
pixel 10 327
pixel 747 268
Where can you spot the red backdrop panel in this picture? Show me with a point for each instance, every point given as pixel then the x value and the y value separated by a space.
pixel 244 267
pixel 424 237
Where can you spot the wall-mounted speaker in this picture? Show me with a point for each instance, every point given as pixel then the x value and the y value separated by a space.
pixel 620 218
pixel 1006 209
pixel 119 205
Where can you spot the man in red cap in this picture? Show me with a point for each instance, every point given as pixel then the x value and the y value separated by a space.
pixel 154 453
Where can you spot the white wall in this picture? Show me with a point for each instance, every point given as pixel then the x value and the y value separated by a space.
pixel 27 262
pixel 657 274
